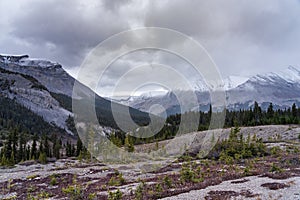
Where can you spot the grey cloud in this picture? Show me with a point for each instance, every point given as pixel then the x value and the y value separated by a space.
pixel 71 27
pixel 243 37
pixel 115 4
pixel 190 17
pixel 138 65
pixel 246 37
pixel 257 20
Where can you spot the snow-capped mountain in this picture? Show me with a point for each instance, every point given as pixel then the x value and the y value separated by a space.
pixel 290 75
pixel 127 100
pixel 229 82
pixel 232 82
pixel 46 89
pixel 282 88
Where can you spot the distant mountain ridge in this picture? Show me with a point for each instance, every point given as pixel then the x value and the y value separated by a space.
pixel 282 88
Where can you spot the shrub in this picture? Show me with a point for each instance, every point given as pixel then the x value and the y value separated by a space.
pixel 43 158
pixel 139 191
pixel 237 148
pixel 247 171
pixel 158 188
pixel 116 180
pixel 275 168
pixel 275 150
pixel 32 177
pixel 44 195
pixel 186 174
pixel 115 195
pixel 53 181
pixel 74 191
pixel 226 158
pixel 92 196
pixel 167 181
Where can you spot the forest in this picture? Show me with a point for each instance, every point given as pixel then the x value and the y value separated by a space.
pixel 26 136
pixel 255 116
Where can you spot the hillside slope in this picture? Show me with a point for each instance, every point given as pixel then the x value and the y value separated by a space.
pixel 46 89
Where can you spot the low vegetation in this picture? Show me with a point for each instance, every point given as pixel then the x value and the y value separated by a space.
pixel 115 195
pixel 117 179
pixel 236 148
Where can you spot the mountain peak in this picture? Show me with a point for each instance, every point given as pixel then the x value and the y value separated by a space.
pixel 12 58
pixel 24 60
pixel 234 81
pixel 291 74
pixel 293 69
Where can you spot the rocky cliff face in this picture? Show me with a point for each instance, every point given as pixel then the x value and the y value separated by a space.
pixel 28 92
pixel 48 73
pixel 46 88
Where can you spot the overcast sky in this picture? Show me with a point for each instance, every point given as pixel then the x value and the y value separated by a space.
pixel 242 37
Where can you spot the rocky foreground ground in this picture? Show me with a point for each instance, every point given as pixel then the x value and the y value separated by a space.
pixel 276 176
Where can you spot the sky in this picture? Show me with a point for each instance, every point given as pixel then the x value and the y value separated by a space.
pixel 242 37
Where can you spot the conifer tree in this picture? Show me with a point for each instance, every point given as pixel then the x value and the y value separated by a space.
pixel 14 145
pixel 270 111
pixel 34 151
pixel 47 147
pixel 56 149
pixel 294 114
pixel 22 147
pixel 79 146
pixel 129 144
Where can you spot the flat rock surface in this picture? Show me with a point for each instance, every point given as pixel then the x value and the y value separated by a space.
pixel 251 189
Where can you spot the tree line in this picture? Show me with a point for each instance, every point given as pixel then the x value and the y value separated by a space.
pixel 255 116
pixel 20 146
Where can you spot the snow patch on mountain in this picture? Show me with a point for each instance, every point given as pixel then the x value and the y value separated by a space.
pixel 36 62
pixel 290 75
pixel 24 60
pixel 234 81
pixel 201 85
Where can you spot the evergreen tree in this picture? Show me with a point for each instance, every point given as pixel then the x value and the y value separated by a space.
pixel 47 147
pixel 129 143
pixel 294 114
pixel 22 147
pixel 69 149
pixel 42 158
pixel 8 146
pixel 34 151
pixel 41 147
pixel 270 112
pixel 56 149
pixel 257 113
pixel 73 150
pixel 79 146
pixel 28 152
pixel 14 145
